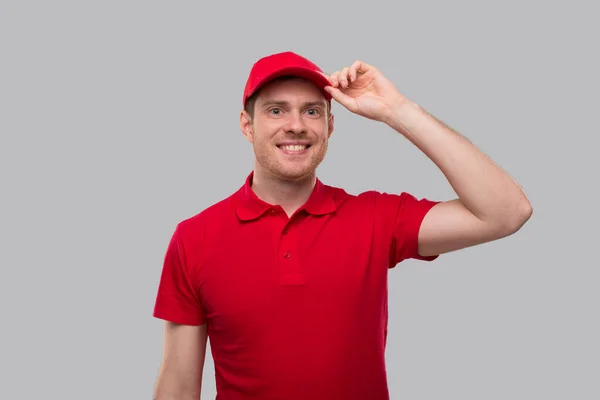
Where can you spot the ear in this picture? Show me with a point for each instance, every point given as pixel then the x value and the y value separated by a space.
pixel 330 125
pixel 246 126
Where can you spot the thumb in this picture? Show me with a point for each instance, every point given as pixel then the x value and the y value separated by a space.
pixel 341 98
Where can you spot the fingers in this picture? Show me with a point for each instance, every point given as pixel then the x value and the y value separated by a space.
pixel 342 98
pixel 334 79
pixel 343 78
pixel 339 79
pixel 356 68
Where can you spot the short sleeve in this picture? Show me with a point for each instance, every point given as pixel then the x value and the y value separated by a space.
pixel 404 215
pixel 177 300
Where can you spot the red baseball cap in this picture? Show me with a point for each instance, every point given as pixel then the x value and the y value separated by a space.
pixel 279 64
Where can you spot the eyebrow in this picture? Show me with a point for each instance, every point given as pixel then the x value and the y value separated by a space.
pixel 285 103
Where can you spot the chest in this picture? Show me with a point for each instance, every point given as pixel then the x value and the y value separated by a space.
pixel 313 267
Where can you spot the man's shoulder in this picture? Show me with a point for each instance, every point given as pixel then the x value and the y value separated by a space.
pixel 372 201
pixel 361 195
pixel 215 213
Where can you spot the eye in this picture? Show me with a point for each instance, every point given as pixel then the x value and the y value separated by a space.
pixel 313 111
pixel 275 111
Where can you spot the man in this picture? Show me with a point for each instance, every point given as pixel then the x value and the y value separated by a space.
pixel 288 276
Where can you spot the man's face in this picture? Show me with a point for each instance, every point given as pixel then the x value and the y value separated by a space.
pixel 290 129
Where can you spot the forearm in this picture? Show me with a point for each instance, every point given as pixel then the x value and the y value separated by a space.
pixel 484 188
pixel 171 387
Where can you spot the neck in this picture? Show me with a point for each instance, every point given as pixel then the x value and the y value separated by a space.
pixel 289 194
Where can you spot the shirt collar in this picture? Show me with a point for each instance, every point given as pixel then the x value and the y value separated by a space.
pixel 249 206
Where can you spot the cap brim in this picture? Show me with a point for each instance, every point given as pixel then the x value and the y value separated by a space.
pixel 315 77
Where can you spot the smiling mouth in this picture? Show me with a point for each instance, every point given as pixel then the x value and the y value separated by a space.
pixel 294 148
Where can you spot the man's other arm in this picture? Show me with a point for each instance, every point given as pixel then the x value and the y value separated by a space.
pixel 182 364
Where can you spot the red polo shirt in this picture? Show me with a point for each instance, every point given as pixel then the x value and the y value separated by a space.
pixel 296 307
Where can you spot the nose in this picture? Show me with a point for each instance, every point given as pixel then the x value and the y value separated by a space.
pixel 295 124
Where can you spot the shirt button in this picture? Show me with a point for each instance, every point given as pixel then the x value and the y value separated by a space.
pixel 286 254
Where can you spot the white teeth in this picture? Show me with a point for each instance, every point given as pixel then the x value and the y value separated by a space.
pixel 295 147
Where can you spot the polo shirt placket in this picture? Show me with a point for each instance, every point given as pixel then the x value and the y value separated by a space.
pixel 288 253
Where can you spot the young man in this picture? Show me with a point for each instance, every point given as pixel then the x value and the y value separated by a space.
pixel 288 276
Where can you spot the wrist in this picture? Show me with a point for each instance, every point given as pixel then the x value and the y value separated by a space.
pixel 401 114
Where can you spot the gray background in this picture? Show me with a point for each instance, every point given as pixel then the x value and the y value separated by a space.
pixel 121 118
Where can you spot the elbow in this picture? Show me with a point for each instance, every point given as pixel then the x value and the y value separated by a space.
pixel 527 210
pixel 524 212
pixel 518 216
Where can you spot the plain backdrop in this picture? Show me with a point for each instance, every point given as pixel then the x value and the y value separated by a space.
pixel 118 119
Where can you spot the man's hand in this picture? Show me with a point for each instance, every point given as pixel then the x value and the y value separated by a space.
pixel 363 90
